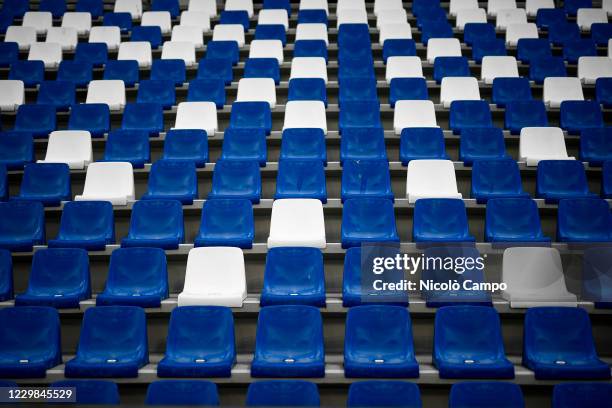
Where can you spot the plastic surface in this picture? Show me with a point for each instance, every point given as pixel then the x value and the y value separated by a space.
pixel 483 394
pixel 86 224
pixel 226 222
pixel 48 183
pixel 299 178
pixel 156 223
pixel 441 220
pixel 584 220
pixel 172 180
pixel 22 225
pixel 186 145
pixel 236 179
pixel 368 220
pixel 513 220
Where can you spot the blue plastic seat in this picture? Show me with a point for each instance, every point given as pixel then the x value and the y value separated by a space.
pixel 583 394
pixel 395 47
pixel 77 72
pixel 310 48
pixel 432 15
pixel 262 68
pixel 303 143
pixel 6 20
pixel 16 149
pixel 359 115
pixel 579 115
pixel 284 284
pixel 6 275
pixel 148 117
pixel 520 114
pixel 402 89
pixel 355 68
pixel 507 90
pixel 32 73
pixel 95 54
pixel 278 4
pixel 169 70
pixel 603 92
pixel 584 47
pixel 57 8
pixel 251 115
pixel 560 33
pixel 307 89
pixel 9 53
pixel 39 120
pixel 136 277
pixel 89 392
pixel 513 220
pixel 299 178
pixel 366 178
pixel 186 145
pixel 472 32
pixel 150 34
pixel 226 222
pixel 601 33
pixel 469 114
pixel 378 343
pixel 240 17
pixel 531 49
pixel 450 67
pixel 484 394
pixel 596 275
pixel 128 146
pixel 29 341
pixel 16 8
pixel 158 91
pixel 496 179
pixel 368 220
pixel 121 20
pixel 289 342
pixel 488 47
pixel 543 67
pixel 3 183
pixel 124 70
pixel 283 393
pixel 596 145
pixel 182 392
pixel 216 68
pixel 435 29
pixel 227 50
pixel 422 143
pixel 92 117
pixel 147 231
pixel 558 179
pixel 22 225
pixel 558 344
pixel 245 144
pixel 113 343
pixel 59 278
pixel 236 179
pixel 547 17
pixel 349 55
pixel 271 32
pixel 314 16
pixel 584 220
pixel 357 89
pixel 606 180
pixel 48 183
pixel 60 94
pixel 362 143
pixel 86 224
pixel 171 6
pixel 94 7
pixel 571 6
pixel 172 180
pixel 440 220
pixel 351 33
pixel 420 7
pixel 486 143
pixel 384 394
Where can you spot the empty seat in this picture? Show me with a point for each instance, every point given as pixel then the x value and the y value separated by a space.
pixel 31 73
pixel 48 183
pixel 66 37
pixel 359 114
pixel 60 94
pixel 405 89
pixel 143 116
pixel 596 145
pixel 282 393
pixel 470 16
pixel 603 92
pixel 579 115
pixel 136 50
pixel 488 46
pixel 366 178
pixel 574 50
pixel 592 68
pixel 72 147
pixel 542 143
pixel 440 220
pixel 153 91
pixel 442 47
pixel 516 32
pixel 273 17
pixel 109 92
pixel 150 34
pixel 146 232
pixel 532 6
pixel 134 7
pixel 307 89
pixel 91 391
pixel 431 179
pixel 29 340
pixel 481 394
pixel 558 179
pixel 136 277
pixel 496 179
pixel 39 120
pixel 203 283
pixel 481 143
pixel 403 67
pixel 544 67
pixel 507 18
pixel 195 18
pixel 229 32
pixel 77 72
pixel 16 149
pixel 112 182
pixel 39 20
pixel 557 90
pixel 109 35
pixel 584 220
pixel 246 5
pixel 558 344
pixel 531 49
pixel 171 6
pixel 567 395
pixel 129 146
pixel 262 68
pixel 224 50
pixel 305 114
pixel 472 32
pixel 267 49
pixel 303 144
pixel 450 66
pixel 23 36
pixel 121 20
pixel 513 220
pixel 80 21
pixel 422 143
pixel 257 89
pixel 113 343
pixel 395 31
pixel 311 31
pixel 547 18
pixel 245 144
pixel 181 50
pixel 357 89
pixel 494 6
pixel 301 179
pixel 6 276
pixel 197 115
pixel 125 70
pixel 172 180
pixel 368 220
pixel 308 67
pixel 458 89
pixel 362 144
pixel 236 179
pixel 12 95
pixel 226 222
pixel 289 229
pixel 413 114
pixel 254 115
pixel 186 145
pixel 587 16
pixel 172 70
pixel 22 225
pixel 600 33
pixel 469 114
pixel 498 67
pixel 93 7
pixel 89 225
pixel 161 19
pixel 525 114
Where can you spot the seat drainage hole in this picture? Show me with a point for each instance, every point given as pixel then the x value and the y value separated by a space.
pixel 379 361
pixel 111 360
pixel 469 361
pixel 289 360
pixel 560 362
pixel 200 360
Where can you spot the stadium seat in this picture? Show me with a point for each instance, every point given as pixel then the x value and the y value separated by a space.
pixel 413 114
pixel 267 49
pixel 134 7
pixel 59 278
pixel 533 6
pixel 308 67
pixel 368 219
pixel 403 67
pixel 285 285
pixel 305 114
pixel 191 355
pixel 584 47
pixel 93 7
pixel 268 16
pixel 513 219
pixel 542 143
pixel 603 92
pixel 262 68
pixel 109 92
pixel 301 179
pixel 3 183
pixel 229 32
pixel 596 145
pixel 205 286
pixel 555 356
pixel 39 120
pixel 310 48
pixel 161 19
pixel 66 37
pixel 111 36
pixel 197 115
pixel 136 277
pixel 516 32
pixel 192 392
pixel 9 53
pixel 398 48
pixel 431 179
pixel 77 72
pixel 29 340
pixel 592 68
pixel 282 393
pixel 558 179
pixel 584 220
pixel 470 16
pixel 247 5
pixel 458 89
pixel 21 225
pixel 179 50
pixel 496 178
pixel 146 117
pixel 172 70
pixel 56 8
pixel 394 31
pixel 151 34
pixel 585 17
pixel 406 89
pixel 198 19
pixel 172 180
pixel 568 395
pixel 86 224
pixel 22 35
pixel 128 146
pixel 560 33
pixel 507 17
pixel 236 179
pixel 525 114
pixel 257 90
pixel 112 182
pixel 351 16
pixel 146 232
pixel 121 20
pixel 606 179
pixel 442 47
pixel 154 92
pixel 48 183
pixel 113 343
pixel 39 20
pixel 384 393
pixel 171 6
pixel 579 115
pixel 72 147
pixel 12 95
pixel 216 68
pixel 226 222
pixel 207 90
pixel 440 220
pixel 530 49
pixel 451 66
pixel 303 144
pixel 481 143
pixel 422 143
pixel 498 67
pixel 359 114
pixel 478 31
pixel 357 89
pixel 307 89
pixel 542 68
pixel 31 73
pixel 488 46
pixel 136 50
pixel 481 394
pixel 391 16
pixel 434 29
pixel 362 144
pixel 89 392
pixel 469 114
pixel 311 32
pixel 95 54
pixel 600 33
pixel 297 222
pixel 60 94
pixel 80 21
pixel 456 5
pixel 227 50
pixel 207 6
pixel 366 178
pixel 16 149
pixel 186 145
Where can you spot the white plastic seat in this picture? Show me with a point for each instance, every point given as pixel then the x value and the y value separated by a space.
pixel 431 179
pixel 161 19
pixel 134 7
pixel 514 32
pixel 542 143
pixel 606 5
pixel 66 37
pixel 591 68
pixel 179 50
pixel 108 181
pixel 386 5
pixel 532 6
pixel 305 114
pixel 391 17
pixel 207 6
pixel 12 94
pixel 229 32
pixel 312 31
pixel 267 49
pixel 23 36
pixel 314 5
pixel 587 16
pixel 559 89
pixel 534 277
pixel 344 5
pixel 498 67
pixel 456 5
pixel 192 34
pixel 196 19
pixel 413 113
pixel 109 35
pixel 610 48
pixel 72 147
pixel 40 20
pixel 494 6
pixel 197 115
pixel 465 16
pixel 308 67
pixel 352 16
pixel 401 31
pixel 257 90
pixel 246 5
pixel 297 222
pixel 505 17
pixel 442 47
pixel 403 67
pixel 110 92
pixel 458 89
pixel 136 50
pixel 273 16
pixel 49 53
pixel 80 21
pixel 205 286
